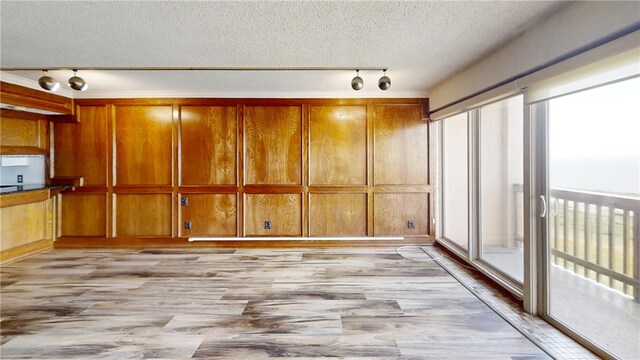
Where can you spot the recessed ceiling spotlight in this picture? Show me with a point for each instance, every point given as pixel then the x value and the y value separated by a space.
pixel 384 83
pixel 47 82
pixel 356 82
pixel 77 83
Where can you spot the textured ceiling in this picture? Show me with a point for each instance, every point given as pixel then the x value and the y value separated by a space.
pixel 421 43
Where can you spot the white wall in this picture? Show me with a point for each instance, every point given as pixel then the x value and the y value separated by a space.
pixel 578 26
pixel 32 173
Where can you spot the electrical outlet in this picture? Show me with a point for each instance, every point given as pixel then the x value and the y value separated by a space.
pixel 267 225
pixel 410 224
pixel 187 225
pixel 20 179
pixel 184 201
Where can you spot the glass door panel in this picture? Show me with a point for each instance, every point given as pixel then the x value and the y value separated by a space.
pixel 455 179
pixel 594 204
pixel 501 186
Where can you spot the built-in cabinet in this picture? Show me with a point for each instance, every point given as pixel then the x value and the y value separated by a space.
pixel 181 168
pixel 28 217
pixel 27 223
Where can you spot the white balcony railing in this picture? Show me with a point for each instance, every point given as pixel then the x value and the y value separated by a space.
pixel 596 235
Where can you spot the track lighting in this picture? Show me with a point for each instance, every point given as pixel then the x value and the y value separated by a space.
pixel 356 82
pixel 77 83
pixel 47 82
pixel 384 83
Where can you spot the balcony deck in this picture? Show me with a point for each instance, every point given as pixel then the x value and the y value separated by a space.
pixel 602 314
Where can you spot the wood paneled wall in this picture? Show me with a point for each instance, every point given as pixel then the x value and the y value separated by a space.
pixel 310 167
pixel 27 224
pixel 23 133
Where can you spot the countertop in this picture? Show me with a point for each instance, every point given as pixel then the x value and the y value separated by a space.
pixel 10 189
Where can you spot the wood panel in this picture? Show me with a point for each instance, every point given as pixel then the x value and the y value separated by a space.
pixel 23 251
pixel 306 165
pixel 78 242
pixel 338 214
pixel 401 151
pixel 208 145
pixel 35 99
pixel 393 211
pixel 81 149
pixel 84 214
pixel 210 215
pixel 23 197
pixel 338 145
pixel 22 133
pixel 143 214
pixel 143 145
pixel 24 224
pixel 283 210
pixel 273 145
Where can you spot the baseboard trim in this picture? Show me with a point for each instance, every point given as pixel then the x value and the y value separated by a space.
pixel 299 238
pixel 154 243
pixel 23 251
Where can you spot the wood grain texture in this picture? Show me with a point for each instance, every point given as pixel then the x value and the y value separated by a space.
pixel 393 211
pixel 30 98
pixel 242 149
pixel 208 145
pixel 21 132
pixel 143 145
pixel 401 149
pixel 81 149
pixel 210 215
pixel 338 145
pixel 273 145
pixel 143 215
pixel 23 197
pixel 338 214
pixel 25 115
pixel 283 210
pixel 24 224
pixel 84 214
pixel 23 251
pixel 80 242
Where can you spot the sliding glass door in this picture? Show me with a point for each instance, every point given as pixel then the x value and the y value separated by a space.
pixel 592 218
pixel 501 198
pixel 455 181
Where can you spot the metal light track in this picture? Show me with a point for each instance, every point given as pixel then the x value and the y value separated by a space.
pixel 194 68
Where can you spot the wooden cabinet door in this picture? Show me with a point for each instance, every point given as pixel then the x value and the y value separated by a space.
pixel 392 212
pixel 208 145
pixel 338 145
pixel 209 214
pixel 401 145
pixel 338 214
pixel 283 211
pixel 84 214
pixel 144 145
pixel 143 215
pixel 273 145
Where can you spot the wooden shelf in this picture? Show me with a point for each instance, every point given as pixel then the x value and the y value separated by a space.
pixel 74 181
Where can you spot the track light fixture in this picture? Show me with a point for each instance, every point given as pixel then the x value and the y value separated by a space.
pixel 77 83
pixel 356 82
pixel 384 83
pixel 47 82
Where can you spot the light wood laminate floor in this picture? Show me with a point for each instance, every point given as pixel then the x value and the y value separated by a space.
pixel 246 304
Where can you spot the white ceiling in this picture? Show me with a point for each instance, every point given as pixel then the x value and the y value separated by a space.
pixel 421 43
